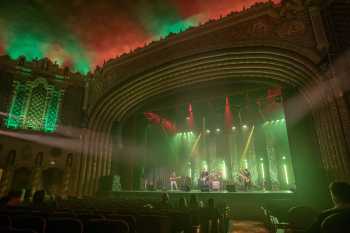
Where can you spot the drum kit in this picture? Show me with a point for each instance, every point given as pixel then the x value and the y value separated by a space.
pixel 210 181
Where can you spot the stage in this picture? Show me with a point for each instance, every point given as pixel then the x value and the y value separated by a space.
pixel 245 205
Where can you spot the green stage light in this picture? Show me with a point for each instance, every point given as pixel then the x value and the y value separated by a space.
pixel 246 164
pixel 284 157
pixel 204 165
pixel 244 126
pixel 286 173
pixel 224 170
pixel 218 130
pixel 261 159
pixel 233 128
pixel 208 131
pixel 262 171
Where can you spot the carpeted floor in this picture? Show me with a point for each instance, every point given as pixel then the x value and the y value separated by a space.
pixel 239 226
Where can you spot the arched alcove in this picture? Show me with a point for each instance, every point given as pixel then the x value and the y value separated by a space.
pixel 21 179
pixel 52 180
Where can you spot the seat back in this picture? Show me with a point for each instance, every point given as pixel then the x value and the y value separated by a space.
pixel 35 223
pixel 5 221
pixel 153 224
pixel 337 223
pixel 10 230
pixel 66 225
pixel 107 226
pixel 301 217
pixel 85 218
pixel 131 220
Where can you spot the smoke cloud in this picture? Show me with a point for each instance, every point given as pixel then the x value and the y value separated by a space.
pixel 86 33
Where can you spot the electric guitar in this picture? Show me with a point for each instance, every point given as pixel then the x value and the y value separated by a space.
pixel 174 178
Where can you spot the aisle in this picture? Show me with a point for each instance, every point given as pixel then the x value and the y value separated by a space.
pixel 240 226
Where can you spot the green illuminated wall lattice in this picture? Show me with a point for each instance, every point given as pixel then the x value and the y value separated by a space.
pixel 35 106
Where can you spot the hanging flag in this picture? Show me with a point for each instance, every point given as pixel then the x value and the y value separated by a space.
pixel 166 124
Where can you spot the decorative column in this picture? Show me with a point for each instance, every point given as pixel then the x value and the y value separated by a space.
pixel 67 175
pixel 6 180
pixel 332 141
pixel 318 28
pixel 7 175
pixel 37 173
pixel 310 177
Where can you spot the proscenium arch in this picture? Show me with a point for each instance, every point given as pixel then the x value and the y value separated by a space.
pixel 254 63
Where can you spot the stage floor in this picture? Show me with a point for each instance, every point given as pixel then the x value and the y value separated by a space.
pixel 245 204
pixel 197 191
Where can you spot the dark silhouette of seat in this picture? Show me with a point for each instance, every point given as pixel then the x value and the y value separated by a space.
pixel 107 226
pixel 85 218
pixel 131 220
pixel 5 221
pixel 35 223
pixel 300 218
pixel 66 225
pixel 209 220
pixel 62 214
pixel 10 230
pixel 337 223
pixel 153 224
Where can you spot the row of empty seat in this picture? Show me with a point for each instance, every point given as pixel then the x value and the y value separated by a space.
pixel 118 217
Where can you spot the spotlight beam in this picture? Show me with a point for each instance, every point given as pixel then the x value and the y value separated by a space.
pixel 249 139
pixel 196 144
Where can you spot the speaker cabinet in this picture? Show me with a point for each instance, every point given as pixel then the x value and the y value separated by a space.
pixel 231 188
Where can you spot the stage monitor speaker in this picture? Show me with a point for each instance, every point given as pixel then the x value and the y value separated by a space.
pixel 231 188
pixel 109 183
pixel 204 188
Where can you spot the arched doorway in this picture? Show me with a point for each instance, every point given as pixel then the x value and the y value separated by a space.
pixel 21 179
pixel 52 180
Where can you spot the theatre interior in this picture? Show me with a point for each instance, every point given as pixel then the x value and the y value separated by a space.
pixel 175 116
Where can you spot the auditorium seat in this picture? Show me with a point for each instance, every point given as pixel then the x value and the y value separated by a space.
pixel 5 221
pixel 153 224
pixel 337 223
pixel 10 230
pixel 70 225
pixel 106 226
pixel 29 222
pixel 85 218
pixel 131 220
pixel 300 218
pixel 62 214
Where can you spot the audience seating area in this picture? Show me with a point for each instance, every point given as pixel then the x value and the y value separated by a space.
pixel 141 216
pixel 93 216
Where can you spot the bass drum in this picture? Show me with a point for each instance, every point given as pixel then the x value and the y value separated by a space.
pixel 215 185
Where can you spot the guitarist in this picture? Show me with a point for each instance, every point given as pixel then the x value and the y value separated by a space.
pixel 245 178
pixel 173 182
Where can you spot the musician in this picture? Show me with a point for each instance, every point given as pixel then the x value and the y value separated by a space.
pixel 205 177
pixel 187 183
pixel 173 183
pixel 203 181
pixel 245 177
